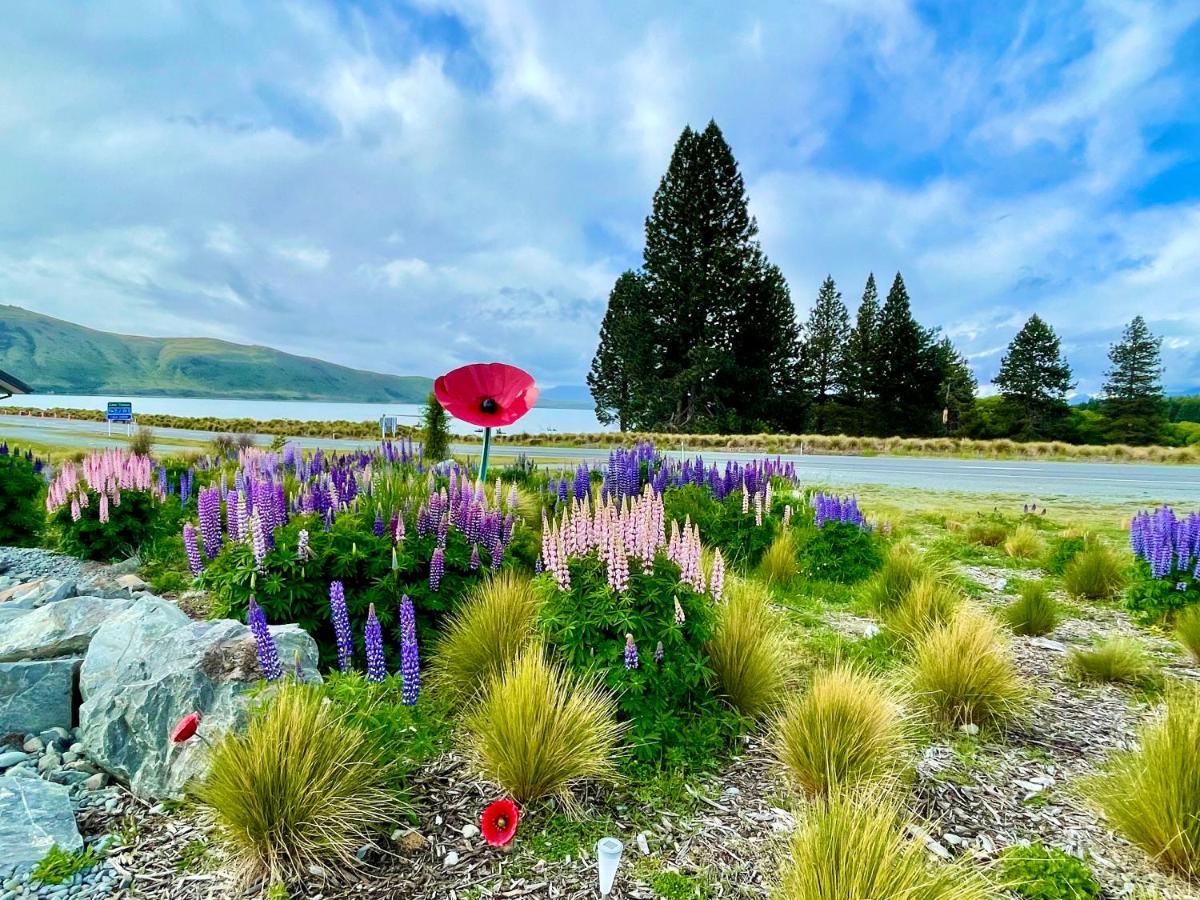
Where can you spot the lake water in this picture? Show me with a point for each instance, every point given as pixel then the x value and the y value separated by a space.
pixel 539 420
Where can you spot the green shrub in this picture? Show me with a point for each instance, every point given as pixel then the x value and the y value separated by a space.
pixel 1153 599
pixel 723 524
pixel 299 787
pixel 538 730
pixel 750 651
pixel 1034 612
pixel 778 565
pixel 854 846
pixel 1097 573
pixel 1151 795
pixel 839 551
pixel 1064 548
pixel 129 525
pixel 22 492
pixel 988 531
pixel 142 441
pixel 59 865
pixel 846 728
pixel 926 605
pixel 494 623
pixel 1118 659
pixel 1025 543
pixel 435 437
pixel 901 567
pixel 674 712
pixel 1187 631
pixel 1038 872
pixel 962 673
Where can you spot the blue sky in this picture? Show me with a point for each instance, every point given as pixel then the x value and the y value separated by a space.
pixel 407 187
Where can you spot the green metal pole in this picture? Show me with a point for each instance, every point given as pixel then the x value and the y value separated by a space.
pixel 487 448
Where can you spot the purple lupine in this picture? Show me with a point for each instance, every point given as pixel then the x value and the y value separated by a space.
pixel 631 654
pixel 475 562
pixel 258 540
pixel 208 507
pixel 379 526
pixel 193 551
pixel 303 551
pixel 341 626
pixel 437 568
pixel 373 638
pixel 268 653
pixel 410 657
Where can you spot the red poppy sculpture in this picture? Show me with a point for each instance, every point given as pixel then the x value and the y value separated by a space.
pixel 185 728
pixel 499 822
pixel 489 395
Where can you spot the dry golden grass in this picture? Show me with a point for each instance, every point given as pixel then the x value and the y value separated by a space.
pixel 927 604
pixel 750 651
pixel 1025 543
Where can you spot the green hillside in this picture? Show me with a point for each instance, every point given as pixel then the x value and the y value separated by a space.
pixel 54 356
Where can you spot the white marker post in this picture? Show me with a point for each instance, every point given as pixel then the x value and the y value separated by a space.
pixel 608 857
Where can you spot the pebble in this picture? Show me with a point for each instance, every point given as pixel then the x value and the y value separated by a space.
pixel 34 745
pixel 469 831
pixel 11 758
pixel 451 859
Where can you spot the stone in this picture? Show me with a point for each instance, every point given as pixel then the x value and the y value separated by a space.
pixel 11 758
pixel 451 859
pixel 10 613
pixel 469 831
pixel 50 761
pixel 151 666
pixel 95 782
pixel 131 583
pixel 34 816
pixel 64 628
pixel 37 694
pixel 34 744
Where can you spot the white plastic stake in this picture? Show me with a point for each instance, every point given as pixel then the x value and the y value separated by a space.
pixel 608 857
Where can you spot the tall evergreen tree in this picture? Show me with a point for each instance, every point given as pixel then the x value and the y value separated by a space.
pixel 1133 403
pixel 825 337
pixel 1034 379
pixel 624 360
pixel 905 384
pixel 957 390
pixel 858 380
pixel 435 444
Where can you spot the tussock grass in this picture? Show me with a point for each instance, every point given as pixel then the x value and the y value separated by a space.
pixel 1117 659
pixel 987 532
pixel 1034 612
pixel 539 730
pixel 779 565
pixel 962 673
pixel 927 604
pixel 750 651
pixel 846 728
pixel 488 630
pixel 1151 795
pixel 299 787
pixel 1187 630
pixel 854 846
pixel 902 566
pixel 1025 543
pixel 1095 573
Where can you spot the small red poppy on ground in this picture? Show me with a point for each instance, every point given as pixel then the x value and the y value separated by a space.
pixel 486 394
pixel 185 728
pixel 499 822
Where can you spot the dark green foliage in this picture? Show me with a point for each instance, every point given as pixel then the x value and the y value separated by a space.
pixel 904 367
pixel 839 552
pixel 722 524
pixel 957 389
pixel 1152 599
pixel 22 491
pixel 435 436
pixel 59 865
pixel 1038 872
pixel 623 359
pixel 1062 551
pixel 129 525
pixel 1034 379
pixel 1133 393
pixel 824 346
pixel 857 375
pixel 672 707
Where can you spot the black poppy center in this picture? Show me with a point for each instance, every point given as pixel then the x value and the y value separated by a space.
pixel 489 405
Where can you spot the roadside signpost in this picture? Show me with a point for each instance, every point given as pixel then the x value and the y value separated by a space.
pixel 120 411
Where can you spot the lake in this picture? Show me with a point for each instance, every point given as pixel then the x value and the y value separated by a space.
pixel 539 420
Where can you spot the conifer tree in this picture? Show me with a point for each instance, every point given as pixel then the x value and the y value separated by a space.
pixel 825 337
pixel 905 383
pixel 1133 402
pixel 624 359
pixel 1034 379
pixel 435 445
pixel 957 390
pixel 858 380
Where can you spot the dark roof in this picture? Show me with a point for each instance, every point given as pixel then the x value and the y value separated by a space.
pixel 10 384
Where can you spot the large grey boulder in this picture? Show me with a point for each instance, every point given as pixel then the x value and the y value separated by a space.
pixel 151 666
pixel 34 816
pixel 57 629
pixel 37 694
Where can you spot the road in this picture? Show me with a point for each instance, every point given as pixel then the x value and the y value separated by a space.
pixel 1111 482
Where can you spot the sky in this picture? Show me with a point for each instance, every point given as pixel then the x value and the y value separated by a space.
pixel 407 187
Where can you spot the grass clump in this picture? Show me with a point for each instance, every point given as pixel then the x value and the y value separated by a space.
pixel 962 673
pixel 779 565
pixel 538 730
pixel 299 787
pixel 902 566
pixel 1034 612
pixel 1095 573
pixel 1187 631
pixel 488 630
pixel 927 604
pixel 846 728
pixel 989 531
pixel 59 865
pixel 1038 872
pixel 1025 543
pixel 750 651
pixel 852 847
pixel 1117 659
pixel 1151 795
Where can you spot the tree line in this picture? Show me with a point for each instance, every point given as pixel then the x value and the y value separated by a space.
pixel 704 338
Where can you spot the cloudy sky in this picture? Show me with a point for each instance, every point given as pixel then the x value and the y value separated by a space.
pixel 410 186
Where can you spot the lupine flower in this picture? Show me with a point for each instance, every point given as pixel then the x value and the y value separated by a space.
pixel 258 540
pixel 193 551
pixel 437 568
pixel 679 616
pixel 410 665
pixel 104 507
pixel 208 508
pixel 268 653
pixel 717 582
pixel 303 551
pixel 475 561
pixel 658 653
pixel 376 666
pixel 341 626
pixel 498 824
pixel 631 654
pixel 379 528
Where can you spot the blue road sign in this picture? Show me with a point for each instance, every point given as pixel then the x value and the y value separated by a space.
pixel 120 411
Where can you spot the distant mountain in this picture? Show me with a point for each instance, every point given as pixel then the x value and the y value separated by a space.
pixel 59 357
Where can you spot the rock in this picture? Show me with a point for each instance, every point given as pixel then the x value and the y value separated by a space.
pixel 37 694
pixel 34 816
pixel 410 841
pixel 11 758
pixel 10 613
pixel 451 859
pixel 95 782
pixel 125 566
pixel 131 583
pixel 50 761
pixel 64 628
pixel 969 728
pixel 469 831
pixel 1047 644
pixel 56 736
pixel 34 745
pixel 153 665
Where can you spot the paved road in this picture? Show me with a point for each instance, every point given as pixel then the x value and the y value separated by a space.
pixel 1113 482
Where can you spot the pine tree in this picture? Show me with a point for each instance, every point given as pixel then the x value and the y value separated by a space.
pixel 1034 379
pixel 957 390
pixel 1133 402
pixel 624 360
pixel 857 378
pixel 825 337
pixel 436 443
pixel 904 383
